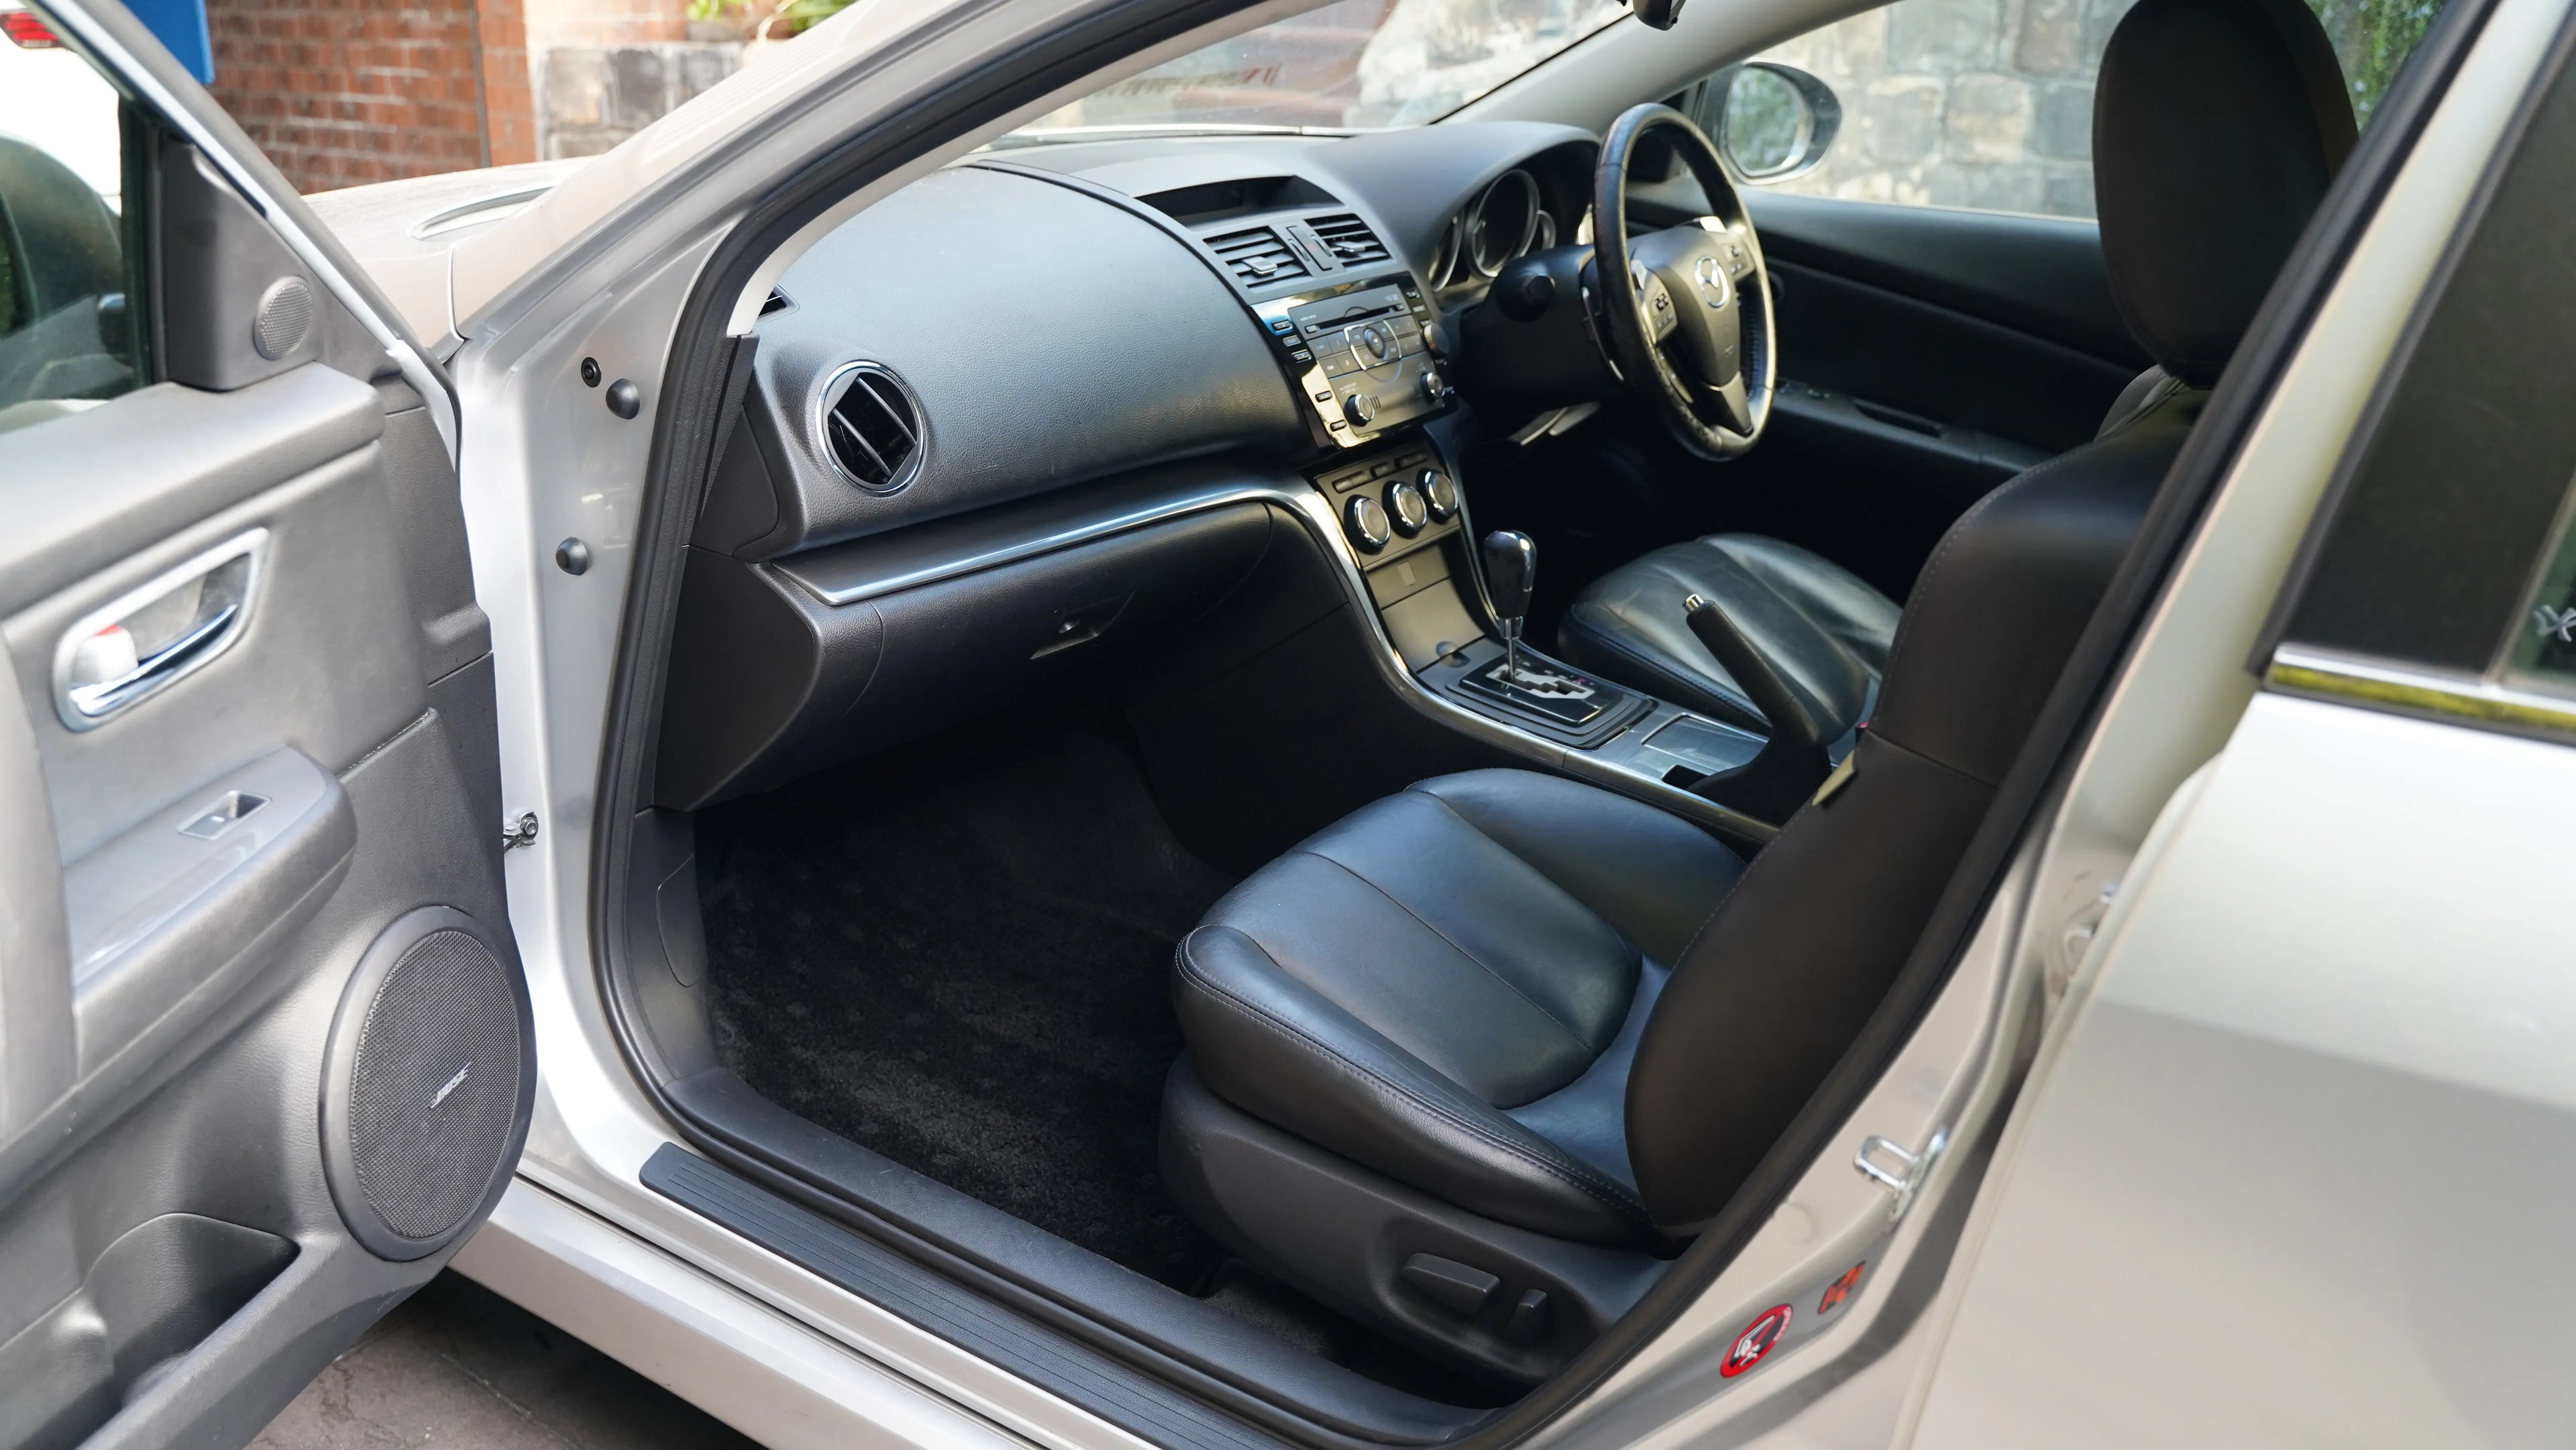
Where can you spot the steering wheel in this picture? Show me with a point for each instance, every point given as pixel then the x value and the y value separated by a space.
pixel 1690 332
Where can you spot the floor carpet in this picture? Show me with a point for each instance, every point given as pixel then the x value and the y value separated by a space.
pixel 960 959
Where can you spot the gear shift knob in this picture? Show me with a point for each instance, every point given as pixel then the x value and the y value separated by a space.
pixel 1511 570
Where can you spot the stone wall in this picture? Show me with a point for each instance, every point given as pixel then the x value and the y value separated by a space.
pixel 592 97
pixel 1973 103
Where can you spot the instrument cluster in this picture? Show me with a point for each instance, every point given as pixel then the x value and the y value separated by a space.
pixel 1510 218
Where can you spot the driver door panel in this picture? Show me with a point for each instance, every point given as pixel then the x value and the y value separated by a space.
pixel 1926 356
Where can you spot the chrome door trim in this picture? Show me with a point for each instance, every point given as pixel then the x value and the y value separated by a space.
pixel 2459 699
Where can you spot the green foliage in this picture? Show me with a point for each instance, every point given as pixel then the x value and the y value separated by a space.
pixel 2373 38
pixel 780 20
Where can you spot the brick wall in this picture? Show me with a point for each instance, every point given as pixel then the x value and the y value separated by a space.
pixel 344 92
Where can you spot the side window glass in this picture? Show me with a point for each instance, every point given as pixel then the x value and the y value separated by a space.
pixel 69 326
pixel 1983 104
pixel 2442 580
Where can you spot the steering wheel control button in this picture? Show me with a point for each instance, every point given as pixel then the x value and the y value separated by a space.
pixel 1366 523
pixel 1411 511
pixel 1359 408
pixel 1440 494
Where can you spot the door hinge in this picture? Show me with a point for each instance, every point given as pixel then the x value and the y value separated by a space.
pixel 522 832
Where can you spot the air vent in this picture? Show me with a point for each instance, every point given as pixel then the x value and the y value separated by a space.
pixel 872 427
pixel 776 301
pixel 1258 255
pixel 1353 244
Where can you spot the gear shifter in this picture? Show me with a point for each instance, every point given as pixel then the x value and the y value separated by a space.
pixel 1511 572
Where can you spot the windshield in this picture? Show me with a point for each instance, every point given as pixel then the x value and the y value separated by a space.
pixel 1351 65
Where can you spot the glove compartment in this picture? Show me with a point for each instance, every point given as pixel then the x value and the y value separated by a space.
pixel 770 680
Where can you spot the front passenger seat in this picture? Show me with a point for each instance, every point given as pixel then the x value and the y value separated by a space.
pixel 1466 1063
pixel 2191 236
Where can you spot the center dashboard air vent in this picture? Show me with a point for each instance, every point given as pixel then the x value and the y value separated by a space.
pixel 871 427
pixel 1258 255
pixel 1353 244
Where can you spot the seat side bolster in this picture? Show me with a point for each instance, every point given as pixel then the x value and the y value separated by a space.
pixel 1278 1050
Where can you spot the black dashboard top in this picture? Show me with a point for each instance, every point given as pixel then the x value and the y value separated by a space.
pixel 1054 313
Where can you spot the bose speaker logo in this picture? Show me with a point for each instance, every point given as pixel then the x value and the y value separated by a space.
pixel 449 1086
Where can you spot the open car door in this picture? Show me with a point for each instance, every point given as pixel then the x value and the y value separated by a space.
pixel 265 1050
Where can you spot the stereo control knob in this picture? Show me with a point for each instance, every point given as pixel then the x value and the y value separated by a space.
pixel 1439 492
pixel 1366 523
pixel 1359 408
pixel 1411 510
pixel 1435 389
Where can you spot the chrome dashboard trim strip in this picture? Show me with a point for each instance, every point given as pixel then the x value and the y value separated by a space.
pixel 1179 503
pixel 1308 505
pixel 2455 699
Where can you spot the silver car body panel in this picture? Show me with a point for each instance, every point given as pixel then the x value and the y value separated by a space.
pixel 601 267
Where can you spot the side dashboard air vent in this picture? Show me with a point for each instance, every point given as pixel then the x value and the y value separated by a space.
pixel 1257 255
pixel 872 427
pixel 777 301
pixel 1353 244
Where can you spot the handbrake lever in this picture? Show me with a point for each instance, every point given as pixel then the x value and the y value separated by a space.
pixel 1792 764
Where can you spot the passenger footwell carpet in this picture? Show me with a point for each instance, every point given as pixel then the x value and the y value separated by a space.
pixel 962 964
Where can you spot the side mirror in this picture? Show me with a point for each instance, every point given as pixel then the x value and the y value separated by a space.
pixel 1774 121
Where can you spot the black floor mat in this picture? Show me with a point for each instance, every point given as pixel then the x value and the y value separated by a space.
pixel 961 960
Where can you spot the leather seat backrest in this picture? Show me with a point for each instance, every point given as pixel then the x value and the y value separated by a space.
pixel 2218 125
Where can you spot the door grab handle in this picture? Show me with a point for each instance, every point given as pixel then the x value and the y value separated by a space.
pixel 191 614
pixel 106 695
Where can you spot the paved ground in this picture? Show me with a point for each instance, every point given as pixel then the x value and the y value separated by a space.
pixel 459 1366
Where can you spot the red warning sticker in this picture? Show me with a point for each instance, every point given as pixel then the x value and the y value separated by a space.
pixel 1756 1341
pixel 1840 1289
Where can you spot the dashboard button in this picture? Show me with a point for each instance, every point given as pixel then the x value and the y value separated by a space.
pixel 1366 523
pixel 1440 493
pixel 1405 504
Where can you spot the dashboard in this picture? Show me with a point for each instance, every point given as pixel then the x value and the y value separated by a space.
pixel 1041 316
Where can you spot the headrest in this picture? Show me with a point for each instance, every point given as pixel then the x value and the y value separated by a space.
pixel 2217 125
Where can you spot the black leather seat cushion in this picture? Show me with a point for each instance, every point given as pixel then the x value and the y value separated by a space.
pixel 1448 986
pixel 1631 626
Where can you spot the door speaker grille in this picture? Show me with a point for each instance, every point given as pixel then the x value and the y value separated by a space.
pixel 428 1094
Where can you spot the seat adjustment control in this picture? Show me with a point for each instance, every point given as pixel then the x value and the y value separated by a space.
pixel 1366 523
pixel 1528 1324
pixel 1452 1284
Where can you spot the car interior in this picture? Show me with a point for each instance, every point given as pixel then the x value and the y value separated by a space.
pixel 1301 802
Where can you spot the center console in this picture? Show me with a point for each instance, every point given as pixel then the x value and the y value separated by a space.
pixel 1455 624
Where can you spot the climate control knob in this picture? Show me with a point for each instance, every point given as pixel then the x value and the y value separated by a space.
pixel 1359 408
pixel 1410 510
pixel 1366 523
pixel 1440 493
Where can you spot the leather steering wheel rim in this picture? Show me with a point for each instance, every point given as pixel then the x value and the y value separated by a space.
pixel 1699 289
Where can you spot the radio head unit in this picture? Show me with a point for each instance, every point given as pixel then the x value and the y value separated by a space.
pixel 1360 354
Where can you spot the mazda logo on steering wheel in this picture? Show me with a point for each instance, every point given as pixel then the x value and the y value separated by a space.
pixel 1712 281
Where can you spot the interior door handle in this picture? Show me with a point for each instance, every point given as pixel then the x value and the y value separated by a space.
pixel 103 697
pixel 154 636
